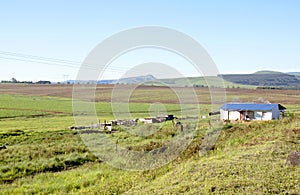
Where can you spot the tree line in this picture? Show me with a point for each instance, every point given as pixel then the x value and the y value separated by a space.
pixel 14 80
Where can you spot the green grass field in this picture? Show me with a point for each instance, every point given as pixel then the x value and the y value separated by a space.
pixel 43 156
pixel 201 81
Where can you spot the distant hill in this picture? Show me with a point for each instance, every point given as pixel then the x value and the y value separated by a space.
pixel 135 80
pixel 180 82
pixel 267 72
pixel 129 80
pixel 198 82
pixel 263 78
pixel 294 73
pixel 102 82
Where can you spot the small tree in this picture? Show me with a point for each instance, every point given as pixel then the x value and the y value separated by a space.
pixel 13 80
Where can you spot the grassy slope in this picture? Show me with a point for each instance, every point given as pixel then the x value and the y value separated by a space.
pixel 49 158
pixel 247 159
pixel 204 81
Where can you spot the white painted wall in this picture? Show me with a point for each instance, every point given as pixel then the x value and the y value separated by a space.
pixel 234 115
pixel 224 114
pixel 258 115
pixel 267 116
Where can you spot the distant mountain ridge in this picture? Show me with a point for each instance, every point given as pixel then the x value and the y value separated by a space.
pixel 294 73
pixel 268 72
pixel 260 79
pixel 128 80
pixel 263 78
pixel 136 80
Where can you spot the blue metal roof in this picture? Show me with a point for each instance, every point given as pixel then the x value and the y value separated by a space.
pixel 250 107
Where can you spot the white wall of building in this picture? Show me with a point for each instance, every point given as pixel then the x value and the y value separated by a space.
pixel 234 115
pixel 258 115
pixel 224 114
pixel 267 116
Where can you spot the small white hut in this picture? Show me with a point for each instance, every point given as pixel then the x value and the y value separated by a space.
pixel 251 111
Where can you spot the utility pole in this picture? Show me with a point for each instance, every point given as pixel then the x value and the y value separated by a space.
pixel 65 77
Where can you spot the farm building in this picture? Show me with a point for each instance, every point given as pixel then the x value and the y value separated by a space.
pixel 253 111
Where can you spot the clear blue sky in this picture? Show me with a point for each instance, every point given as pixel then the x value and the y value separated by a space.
pixel 241 36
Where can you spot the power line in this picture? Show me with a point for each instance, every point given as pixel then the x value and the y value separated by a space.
pixel 38 57
pixel 59 62
pixel 52 61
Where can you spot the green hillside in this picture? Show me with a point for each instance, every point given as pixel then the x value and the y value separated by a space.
pixel 267 72
pixel 43 156
pixel 199 82
pixel 247 159
pixel 260 79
